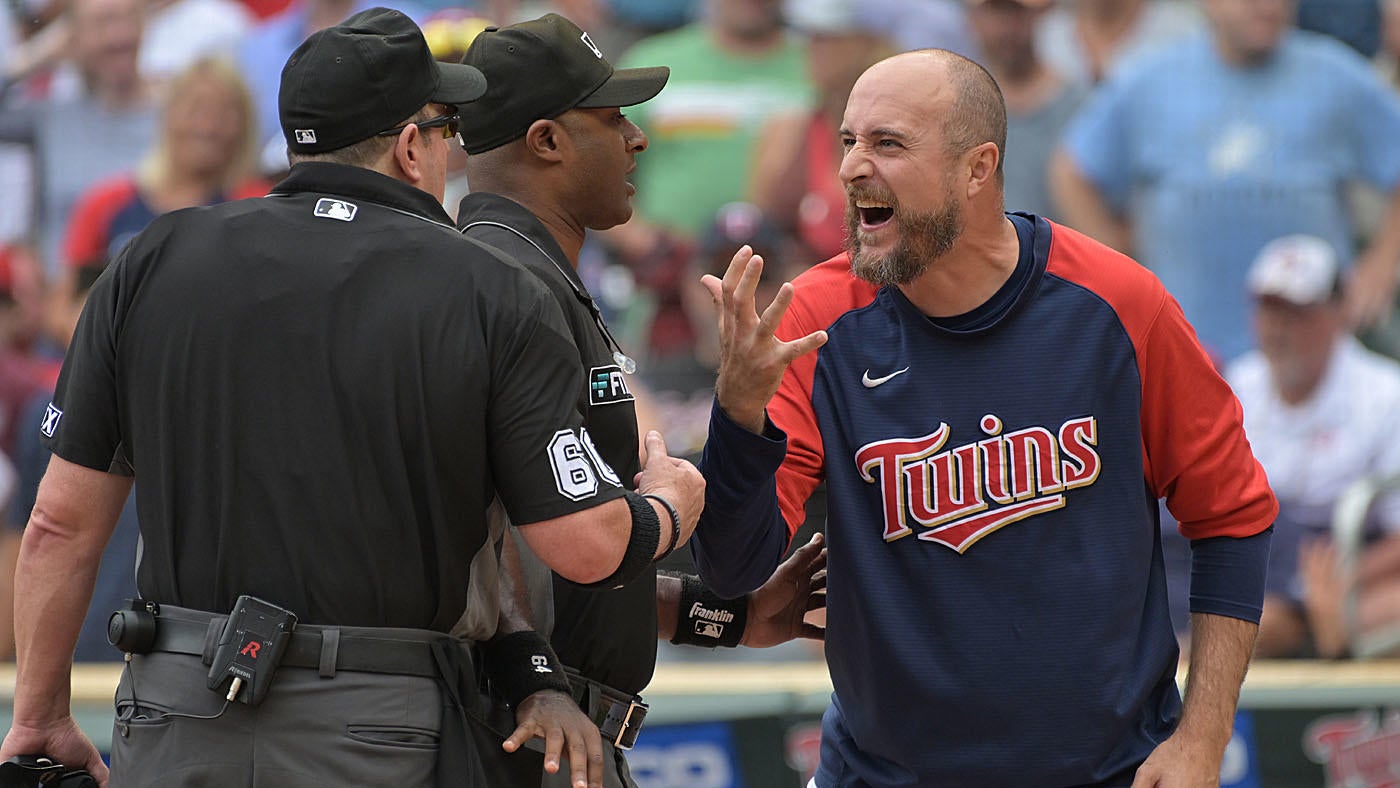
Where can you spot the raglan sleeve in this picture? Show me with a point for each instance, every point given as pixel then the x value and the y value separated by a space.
pixel 1198 458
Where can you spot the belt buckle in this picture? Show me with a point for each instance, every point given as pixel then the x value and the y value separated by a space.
pixel 626 737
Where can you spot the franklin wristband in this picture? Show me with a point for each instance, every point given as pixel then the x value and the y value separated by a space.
pixel 675 524
pixel 707 620
pixel 521 664
pixel 641 546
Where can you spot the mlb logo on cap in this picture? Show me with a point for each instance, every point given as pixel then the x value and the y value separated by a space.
pixel 306 136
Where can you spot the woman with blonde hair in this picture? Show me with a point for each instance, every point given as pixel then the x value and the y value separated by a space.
pixel 204 155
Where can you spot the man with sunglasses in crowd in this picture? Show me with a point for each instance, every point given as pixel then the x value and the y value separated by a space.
pixel 549 152
pixel 321 391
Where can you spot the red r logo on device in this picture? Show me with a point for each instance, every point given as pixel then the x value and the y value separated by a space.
pixel 251 650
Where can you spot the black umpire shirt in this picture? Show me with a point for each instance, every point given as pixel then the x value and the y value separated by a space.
pixel 608 636
pixel 320 391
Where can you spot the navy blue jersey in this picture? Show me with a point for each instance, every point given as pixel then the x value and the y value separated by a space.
pixel 997 612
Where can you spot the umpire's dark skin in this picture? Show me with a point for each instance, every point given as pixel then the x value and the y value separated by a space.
pixel 571 173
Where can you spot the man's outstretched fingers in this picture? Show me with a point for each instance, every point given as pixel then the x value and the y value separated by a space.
pixel 803 345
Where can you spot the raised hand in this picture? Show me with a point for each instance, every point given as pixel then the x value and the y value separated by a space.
pixel 752 359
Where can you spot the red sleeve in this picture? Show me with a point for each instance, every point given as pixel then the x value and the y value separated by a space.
pixel 823 294
pixel 1194 449
pixel 89 225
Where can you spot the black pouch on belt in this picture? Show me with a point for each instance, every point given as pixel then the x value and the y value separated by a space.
pixel 250 648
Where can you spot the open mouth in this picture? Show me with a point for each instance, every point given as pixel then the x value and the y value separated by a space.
pixel 873 213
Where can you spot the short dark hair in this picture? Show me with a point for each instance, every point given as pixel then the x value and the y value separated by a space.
pixel 978 113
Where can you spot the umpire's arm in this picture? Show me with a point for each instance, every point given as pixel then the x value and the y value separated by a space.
pixel 73 517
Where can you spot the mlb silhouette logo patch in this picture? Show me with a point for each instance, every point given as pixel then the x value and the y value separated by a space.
pixel 327 208
pixel 305 136
pixel 50 423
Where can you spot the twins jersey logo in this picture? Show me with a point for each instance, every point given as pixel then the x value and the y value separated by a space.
pixel 607 385
pixel 50 423
pixel 965 493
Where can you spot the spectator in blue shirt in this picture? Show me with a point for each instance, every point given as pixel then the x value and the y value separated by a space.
pixel 1194 157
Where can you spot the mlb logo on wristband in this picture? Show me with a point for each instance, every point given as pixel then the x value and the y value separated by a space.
pixel 709 629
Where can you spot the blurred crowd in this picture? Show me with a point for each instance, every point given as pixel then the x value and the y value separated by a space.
pixel 1247 151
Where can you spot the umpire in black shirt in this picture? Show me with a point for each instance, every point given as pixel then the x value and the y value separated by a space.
pixel 320 391
pixel 549 151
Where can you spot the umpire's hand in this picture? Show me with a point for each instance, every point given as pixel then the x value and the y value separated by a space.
pixel 555 717
pixel 675 480
pixel 778 608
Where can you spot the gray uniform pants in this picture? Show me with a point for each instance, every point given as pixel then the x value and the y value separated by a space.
pixel 353 729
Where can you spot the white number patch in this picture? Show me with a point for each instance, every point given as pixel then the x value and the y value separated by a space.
pixel 609 475
pixel 577 465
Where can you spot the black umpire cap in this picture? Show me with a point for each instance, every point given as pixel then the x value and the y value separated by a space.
pixel 541 69
pixel 367 74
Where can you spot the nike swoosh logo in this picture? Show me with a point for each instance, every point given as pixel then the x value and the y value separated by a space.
pixel 871 383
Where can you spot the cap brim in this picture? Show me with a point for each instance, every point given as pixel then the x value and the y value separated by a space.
pixel 460 84
pixel 628 86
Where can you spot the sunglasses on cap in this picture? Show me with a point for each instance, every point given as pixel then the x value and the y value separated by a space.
pixel 449 124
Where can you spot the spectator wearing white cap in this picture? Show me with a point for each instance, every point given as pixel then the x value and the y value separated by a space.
pixel 1321 412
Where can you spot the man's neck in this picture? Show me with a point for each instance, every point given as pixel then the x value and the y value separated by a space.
pixel 981 261
pixel 566 231
pixel 1107 15
pixel 118 97
pixel 1026 89
pixel 746 46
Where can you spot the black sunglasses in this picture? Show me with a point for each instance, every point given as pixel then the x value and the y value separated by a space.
pixel 449 123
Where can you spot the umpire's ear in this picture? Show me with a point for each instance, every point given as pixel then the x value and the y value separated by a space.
pixel 547 140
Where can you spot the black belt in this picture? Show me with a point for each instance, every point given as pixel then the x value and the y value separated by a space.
pixel 617 714
pixel 406 652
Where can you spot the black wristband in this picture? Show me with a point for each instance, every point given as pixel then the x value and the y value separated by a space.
pixel 704 619
pixel 646 535
pixel 521 664
pixel 675 524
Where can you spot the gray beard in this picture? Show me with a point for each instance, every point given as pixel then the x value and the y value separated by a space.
pixel 923 239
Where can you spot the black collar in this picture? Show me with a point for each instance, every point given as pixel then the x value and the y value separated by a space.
pixel 487 207
pixel 344 180
pixel 493 209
